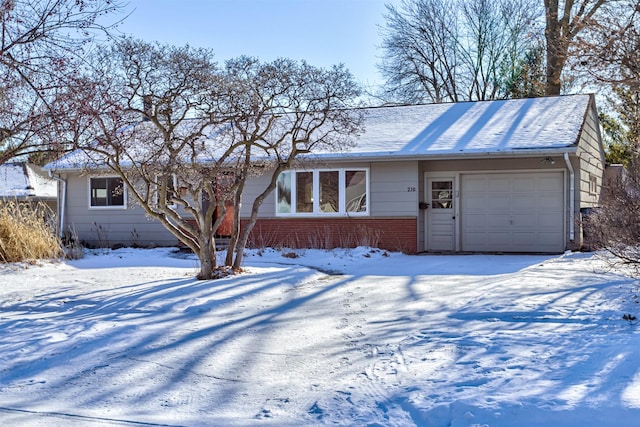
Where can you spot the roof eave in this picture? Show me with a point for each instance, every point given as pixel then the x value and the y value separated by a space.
pixel 379 157
pixel 389 157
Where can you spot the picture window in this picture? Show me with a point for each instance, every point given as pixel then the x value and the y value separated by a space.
pixel 323 192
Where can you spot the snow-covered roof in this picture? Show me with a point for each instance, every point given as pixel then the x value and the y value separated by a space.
pixel 22 180
pixel 452 129
pixel 473 127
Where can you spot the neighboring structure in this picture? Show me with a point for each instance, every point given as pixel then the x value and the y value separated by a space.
pixel 491 176
pixel 26 182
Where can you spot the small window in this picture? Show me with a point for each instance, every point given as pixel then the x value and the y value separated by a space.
pixel 593 185
pixel 442 194
pixel 106 192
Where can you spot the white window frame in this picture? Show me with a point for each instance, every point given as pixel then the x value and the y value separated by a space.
pixel 156 189
pixel 593 185
pixel 108 207
pixel 342 202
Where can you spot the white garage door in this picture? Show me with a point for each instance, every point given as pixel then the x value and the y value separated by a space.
pixel 512 212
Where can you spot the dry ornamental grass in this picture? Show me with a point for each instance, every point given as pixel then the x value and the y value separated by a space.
pixel 25 234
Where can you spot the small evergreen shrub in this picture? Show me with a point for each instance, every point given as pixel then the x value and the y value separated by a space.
pixel 25 233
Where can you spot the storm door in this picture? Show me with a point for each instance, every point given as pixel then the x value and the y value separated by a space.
pixel 441 217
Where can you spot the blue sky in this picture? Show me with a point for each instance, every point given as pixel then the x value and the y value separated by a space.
pixel 323 32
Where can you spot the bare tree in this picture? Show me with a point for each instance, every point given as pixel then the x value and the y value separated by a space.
pixel 564 21
pixel 184 135
pixel 150 113
pixel 455 50
pixel 41 44
pixel 607 53
pixel 495 37
pixel 283 110
pixel 615 226
pixel 419 42
pixel 607 50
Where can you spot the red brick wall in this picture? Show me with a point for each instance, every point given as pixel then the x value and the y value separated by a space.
pixel 394 234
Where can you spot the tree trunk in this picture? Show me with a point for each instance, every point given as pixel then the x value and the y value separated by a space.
pixel 207 251
pixel 207 263
pixel 560 32
pixel 233 242
pixel 556 48
pixel 555 65
pixel 243 238
pixel 244 234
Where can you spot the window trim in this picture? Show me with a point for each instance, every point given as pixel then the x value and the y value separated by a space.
pixel 441 202
pixel 342 202
pixel 593 185
pixel 108 207
pixel 156 190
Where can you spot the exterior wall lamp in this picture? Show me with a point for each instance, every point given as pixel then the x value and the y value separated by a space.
pixel 547 160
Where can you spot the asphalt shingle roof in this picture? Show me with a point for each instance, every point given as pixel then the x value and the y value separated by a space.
pixel 474 127
pixel 454 129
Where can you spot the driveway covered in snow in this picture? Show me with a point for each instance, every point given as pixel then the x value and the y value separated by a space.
pixel 359 337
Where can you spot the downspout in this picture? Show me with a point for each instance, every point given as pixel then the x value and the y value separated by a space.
pixel 572 198
pixel 62 203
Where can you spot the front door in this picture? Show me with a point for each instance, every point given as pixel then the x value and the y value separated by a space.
pixel 441 219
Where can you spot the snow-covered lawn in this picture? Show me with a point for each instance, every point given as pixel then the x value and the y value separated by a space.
pixel 359 337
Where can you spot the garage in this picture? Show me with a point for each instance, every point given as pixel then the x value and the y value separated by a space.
pixel 512 212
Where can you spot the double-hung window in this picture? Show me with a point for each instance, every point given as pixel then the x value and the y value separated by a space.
pixel 323 192
pixel 106 192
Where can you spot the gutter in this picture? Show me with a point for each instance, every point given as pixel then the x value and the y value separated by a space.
pixel 62 203
pixel 386 156
pixel 392 157
pixel 572 200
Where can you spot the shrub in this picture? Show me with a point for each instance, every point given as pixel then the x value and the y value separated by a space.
pixel 615 225
pixel 25 233
pixel 72 245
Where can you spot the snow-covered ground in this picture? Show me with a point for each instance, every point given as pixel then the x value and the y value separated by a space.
pixel 358 337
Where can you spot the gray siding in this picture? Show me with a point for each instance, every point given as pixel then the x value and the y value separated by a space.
pixel 496 164
pixel 591 162
pixel 394 189
pixel 255 186
pixel 108 227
